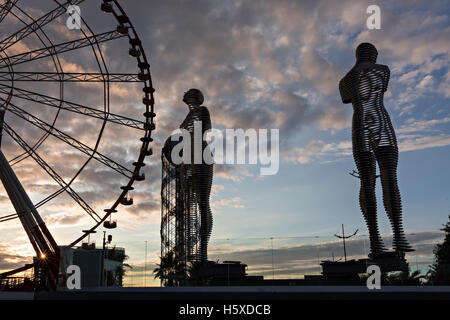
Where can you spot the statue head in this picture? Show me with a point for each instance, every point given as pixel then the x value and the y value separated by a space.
pixel 366 52
pixel 193 97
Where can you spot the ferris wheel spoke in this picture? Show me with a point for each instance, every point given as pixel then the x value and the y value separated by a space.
pixel 59 48
pixel 69 140
pixel 52 173
pixel 8 219
pixel 11 216
pixel 72 107
pixel 5 8
pixel 36 24
pixel 69 77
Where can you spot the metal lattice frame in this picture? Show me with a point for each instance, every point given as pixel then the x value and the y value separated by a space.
pixel 10 81
pixel 180 217
pixel 374 141
pixel 69 77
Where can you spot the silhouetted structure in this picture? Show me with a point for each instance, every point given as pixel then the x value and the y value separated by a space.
pixel 374 140
pixel 180 217
pixel 185 192
pixel 202 174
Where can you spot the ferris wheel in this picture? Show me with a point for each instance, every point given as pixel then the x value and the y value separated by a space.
pixel 53 66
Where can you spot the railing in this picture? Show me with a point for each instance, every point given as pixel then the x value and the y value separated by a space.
pixel 17 283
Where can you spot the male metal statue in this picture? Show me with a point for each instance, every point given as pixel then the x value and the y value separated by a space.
pixel 374 141
pixel 202 174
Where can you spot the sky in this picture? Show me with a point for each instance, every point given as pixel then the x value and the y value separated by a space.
pixel 262 65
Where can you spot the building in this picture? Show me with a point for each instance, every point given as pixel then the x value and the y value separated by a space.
pixel 99 267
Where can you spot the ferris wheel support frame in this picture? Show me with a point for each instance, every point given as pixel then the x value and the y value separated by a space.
pixel 40 237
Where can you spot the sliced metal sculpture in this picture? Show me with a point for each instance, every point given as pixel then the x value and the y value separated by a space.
pixel 185 192
pixel 202 174
pixel 374 141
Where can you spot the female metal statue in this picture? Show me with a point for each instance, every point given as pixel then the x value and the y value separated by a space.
pixel 202 173
pixel 374 141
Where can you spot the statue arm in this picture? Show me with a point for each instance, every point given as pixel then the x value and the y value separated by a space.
pixel 205 118
pixel 343 89
pixel 387 76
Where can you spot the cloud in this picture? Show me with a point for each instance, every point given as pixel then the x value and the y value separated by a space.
pixel 413 125
pixel 63 220
pixel 334 119
pixel 10 260
pixel 324 75
pixel 423 134
pixel 231 172
pixel 424 142
pixel 147 207
pixel 216 188
pixel 426 82
pixel 413 135
pixel 317 150
pixel 234 202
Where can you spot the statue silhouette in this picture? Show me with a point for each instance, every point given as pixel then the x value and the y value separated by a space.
pixel 202 174
pixel 374 141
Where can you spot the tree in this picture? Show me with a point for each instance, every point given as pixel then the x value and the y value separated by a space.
pixel 440 270
pixel 115 254
pixel 115 278
pixel 403 278
pixel 195 274
pixel 170 270
pixel 399 278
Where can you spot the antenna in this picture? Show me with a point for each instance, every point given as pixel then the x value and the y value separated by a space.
pixel 343 237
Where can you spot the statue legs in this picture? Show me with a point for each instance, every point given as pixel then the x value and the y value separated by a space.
pixel 387 157
pixel 202 180
pixel 365 162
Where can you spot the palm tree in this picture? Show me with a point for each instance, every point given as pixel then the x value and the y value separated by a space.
pixel 194 274
pixel 404 278
pixel 440 270
pixel 170 270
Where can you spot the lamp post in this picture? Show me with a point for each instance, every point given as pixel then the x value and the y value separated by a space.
pixel 145 265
